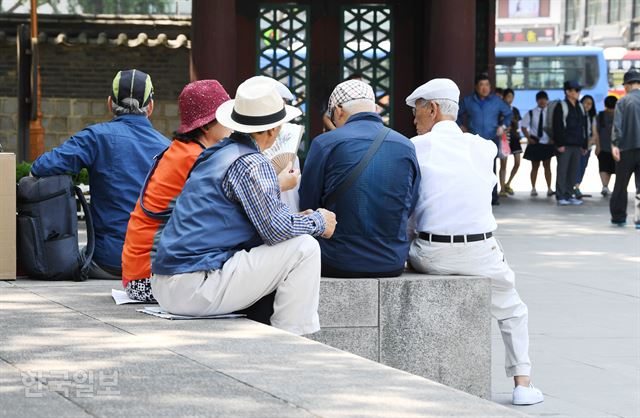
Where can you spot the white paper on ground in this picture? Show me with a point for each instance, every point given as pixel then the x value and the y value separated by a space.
pixel 120 297
pixel 161 313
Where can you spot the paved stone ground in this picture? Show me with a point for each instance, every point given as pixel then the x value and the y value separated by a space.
pixel 66 350
pixel 581 280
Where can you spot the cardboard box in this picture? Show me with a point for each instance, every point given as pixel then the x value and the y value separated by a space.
pixel 7 216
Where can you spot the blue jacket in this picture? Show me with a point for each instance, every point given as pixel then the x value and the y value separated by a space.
pixel 206 228
pixel 118 155
pixel 484 116
pixel 372 215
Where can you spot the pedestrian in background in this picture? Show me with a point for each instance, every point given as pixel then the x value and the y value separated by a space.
pixel 485 114
pixel 570 139
pixel 625 148
pixel 539 144
pixel 606 164
pixel 513 134
pixel 589 106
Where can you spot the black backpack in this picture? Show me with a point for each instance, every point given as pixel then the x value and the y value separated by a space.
pixel 47 229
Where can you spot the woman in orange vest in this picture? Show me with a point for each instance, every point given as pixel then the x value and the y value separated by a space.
pixel 198 130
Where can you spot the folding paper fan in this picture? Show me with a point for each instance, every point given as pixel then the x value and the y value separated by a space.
pixel 285 148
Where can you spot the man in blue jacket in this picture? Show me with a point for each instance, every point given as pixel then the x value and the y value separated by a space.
pixel 485 114
pixel 118 155
pixel 370 239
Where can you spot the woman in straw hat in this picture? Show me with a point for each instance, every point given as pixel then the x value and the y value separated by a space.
pixel 230 239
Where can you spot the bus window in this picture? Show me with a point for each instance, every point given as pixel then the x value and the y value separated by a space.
pixel 531 69
pixel 510 72
pixel 531 73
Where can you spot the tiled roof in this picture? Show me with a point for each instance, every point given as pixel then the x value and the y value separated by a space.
pixel 106 31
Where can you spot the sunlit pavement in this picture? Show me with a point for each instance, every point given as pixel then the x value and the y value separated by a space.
pixel 580 278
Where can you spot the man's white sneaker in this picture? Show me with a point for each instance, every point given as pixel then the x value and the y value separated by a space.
pixel 523 395
pixel 575 202
pixel 564 202
pixel 605 191
pixel 534 193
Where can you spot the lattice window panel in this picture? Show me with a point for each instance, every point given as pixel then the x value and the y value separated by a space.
pixel 283 38
pixel 367 40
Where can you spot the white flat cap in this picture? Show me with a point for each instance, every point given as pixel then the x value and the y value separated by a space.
pixel 438 88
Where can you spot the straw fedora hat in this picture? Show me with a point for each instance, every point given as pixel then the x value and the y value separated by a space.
pixel 257 107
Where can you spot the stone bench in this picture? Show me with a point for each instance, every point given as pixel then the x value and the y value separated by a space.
pixel 437 327
pixel 232 367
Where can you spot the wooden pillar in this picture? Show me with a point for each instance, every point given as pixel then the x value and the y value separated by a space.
pixel 450 50
pixel 324 61
pixel 408 64
pixel 214 42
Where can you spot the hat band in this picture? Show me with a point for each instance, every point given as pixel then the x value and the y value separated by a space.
pixel 258 120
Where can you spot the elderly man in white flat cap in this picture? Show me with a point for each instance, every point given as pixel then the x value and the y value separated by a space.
pixel 230 239
pixel 454 230
pixel 368 174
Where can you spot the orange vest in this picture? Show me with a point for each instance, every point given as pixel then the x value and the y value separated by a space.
pixel 163 189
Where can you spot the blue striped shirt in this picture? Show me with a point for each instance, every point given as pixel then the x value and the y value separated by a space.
pixel 252 182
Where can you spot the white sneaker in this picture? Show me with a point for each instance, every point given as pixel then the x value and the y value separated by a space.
pixel 605 191
pixel 575 202
pixel 563 202
pixel 534 193
pixel 523 395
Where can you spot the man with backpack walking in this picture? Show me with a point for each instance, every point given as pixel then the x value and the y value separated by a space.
pixel 118 155
pixel 569 132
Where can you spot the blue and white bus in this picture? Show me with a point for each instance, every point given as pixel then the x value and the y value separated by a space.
pixel 528 70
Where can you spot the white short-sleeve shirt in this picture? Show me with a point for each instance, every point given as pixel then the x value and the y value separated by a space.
pixel 457 181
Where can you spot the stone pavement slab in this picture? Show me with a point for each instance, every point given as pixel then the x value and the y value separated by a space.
pixel 230 367
pixel 580 278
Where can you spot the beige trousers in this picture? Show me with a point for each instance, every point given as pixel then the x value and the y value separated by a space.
pixel 291 268
pixel 484 258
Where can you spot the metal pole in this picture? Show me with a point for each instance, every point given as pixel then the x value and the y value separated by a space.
pixel 36 131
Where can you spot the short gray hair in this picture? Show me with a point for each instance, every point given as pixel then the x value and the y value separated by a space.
pixel 447 107
pixel 129 106
pixel 358 105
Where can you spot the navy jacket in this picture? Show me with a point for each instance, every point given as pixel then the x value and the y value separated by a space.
pixel 372 216
pixel 484 116
pixel 118 154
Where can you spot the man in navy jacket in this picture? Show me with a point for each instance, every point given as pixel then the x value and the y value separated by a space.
pixel 370 239
pixel 118 155
pixel 485 114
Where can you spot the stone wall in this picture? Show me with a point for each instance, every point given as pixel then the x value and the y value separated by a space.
pixel 62 117
pixel 86 71
pixel 75 83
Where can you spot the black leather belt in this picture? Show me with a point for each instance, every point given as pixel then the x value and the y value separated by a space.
pixel 454 238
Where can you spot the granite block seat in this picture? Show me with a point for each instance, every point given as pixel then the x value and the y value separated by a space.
pixel 437 327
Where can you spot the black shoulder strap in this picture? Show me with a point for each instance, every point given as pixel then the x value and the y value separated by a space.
pixel 160 215
pixel 86 257
pixel 358 169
